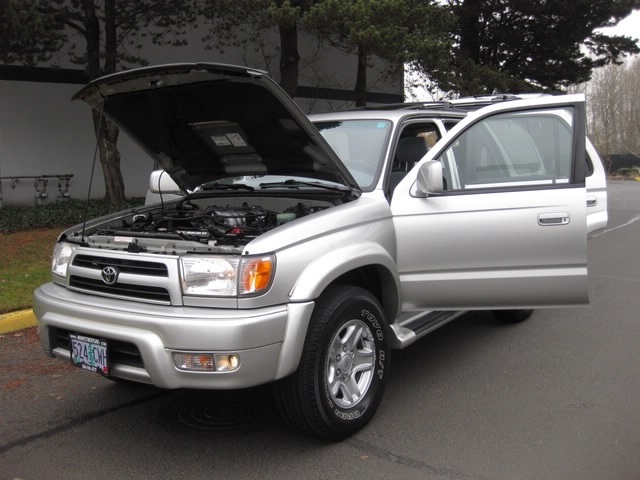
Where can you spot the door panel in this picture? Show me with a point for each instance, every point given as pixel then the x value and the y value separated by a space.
pixel 510 231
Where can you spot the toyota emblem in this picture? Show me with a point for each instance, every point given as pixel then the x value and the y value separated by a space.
pixel 109 275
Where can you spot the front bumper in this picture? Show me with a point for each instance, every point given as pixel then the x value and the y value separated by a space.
pixel 268 340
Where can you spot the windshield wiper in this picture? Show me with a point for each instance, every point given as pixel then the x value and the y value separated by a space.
pixel 291 183
pixel 226 186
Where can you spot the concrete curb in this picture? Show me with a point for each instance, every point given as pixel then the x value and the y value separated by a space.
pixel 10 322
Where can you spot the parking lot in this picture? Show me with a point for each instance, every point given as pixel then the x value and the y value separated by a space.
pixel 556 397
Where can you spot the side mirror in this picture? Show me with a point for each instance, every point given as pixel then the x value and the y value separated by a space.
pixel 160 181
pixel 429 181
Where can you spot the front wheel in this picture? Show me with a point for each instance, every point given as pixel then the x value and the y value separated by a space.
pixel 343 369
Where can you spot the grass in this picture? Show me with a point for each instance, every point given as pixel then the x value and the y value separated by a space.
pixel 27 237
pixel 25 263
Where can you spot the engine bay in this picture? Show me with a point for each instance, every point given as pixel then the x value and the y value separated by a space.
pixel 189 224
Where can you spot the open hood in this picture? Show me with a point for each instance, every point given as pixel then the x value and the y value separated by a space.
pixel 202 122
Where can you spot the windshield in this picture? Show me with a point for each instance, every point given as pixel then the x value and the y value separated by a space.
pixel 360 145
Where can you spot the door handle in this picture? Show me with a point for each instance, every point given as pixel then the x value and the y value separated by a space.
pixel 546 219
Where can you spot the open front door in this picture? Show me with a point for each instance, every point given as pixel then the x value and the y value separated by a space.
pixel 509 230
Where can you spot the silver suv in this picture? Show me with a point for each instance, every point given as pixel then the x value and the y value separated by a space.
pixel 301 254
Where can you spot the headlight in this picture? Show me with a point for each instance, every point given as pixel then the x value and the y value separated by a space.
pixel 61 256
pixel 226 276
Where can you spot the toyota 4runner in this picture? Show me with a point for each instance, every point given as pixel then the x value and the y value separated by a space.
pixel 302 253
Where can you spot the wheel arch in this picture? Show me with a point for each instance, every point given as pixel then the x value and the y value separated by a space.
pixel 367 265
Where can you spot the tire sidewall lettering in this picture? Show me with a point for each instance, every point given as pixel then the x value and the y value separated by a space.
pixel 342 415
pixel 358 412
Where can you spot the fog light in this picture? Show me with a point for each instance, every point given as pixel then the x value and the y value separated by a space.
pixel 227 363
pixel 206 362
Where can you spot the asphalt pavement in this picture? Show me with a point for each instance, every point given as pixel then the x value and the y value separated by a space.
pixel 556 398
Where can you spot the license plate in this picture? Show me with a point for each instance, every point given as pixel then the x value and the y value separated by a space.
pixel 89 353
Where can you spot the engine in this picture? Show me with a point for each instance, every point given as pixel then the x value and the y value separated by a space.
pixel 213 224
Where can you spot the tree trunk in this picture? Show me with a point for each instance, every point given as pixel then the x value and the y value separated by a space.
pixel 361 78
pixel 289 59
pixel 106 132
pixel 468 15
pixel 109 158
pixel 111 38
pixel 92 37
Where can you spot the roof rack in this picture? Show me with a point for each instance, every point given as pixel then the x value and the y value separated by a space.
pixel 465 103
pixel 443 105
pixel 478 101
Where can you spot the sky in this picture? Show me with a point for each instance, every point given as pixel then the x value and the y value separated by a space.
pixel 629 26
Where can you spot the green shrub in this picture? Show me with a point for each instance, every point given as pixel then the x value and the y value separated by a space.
pixel 57 214
pixel 628 172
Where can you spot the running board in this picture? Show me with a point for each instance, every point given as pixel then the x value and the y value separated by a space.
pixel 410 326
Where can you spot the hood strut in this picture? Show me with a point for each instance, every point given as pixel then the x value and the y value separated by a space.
pixel 93 168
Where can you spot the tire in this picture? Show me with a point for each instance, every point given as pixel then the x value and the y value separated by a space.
pixel 512 316
pixel 343 369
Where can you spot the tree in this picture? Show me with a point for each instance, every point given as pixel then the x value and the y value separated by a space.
pixel 613 118
pixel 397 30
pixel 243 22
pixel 630 112
pixel 26 36
pixel 533 45
pixel 110 31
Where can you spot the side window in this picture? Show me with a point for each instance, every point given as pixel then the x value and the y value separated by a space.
pixel 449 124
pixel 414 142
pixel 590 168
pixel 512 149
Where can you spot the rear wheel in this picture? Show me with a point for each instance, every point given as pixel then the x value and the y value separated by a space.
pixel 512 316
pixel 344 366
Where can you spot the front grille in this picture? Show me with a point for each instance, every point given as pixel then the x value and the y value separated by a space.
pixel 124 265
pixel 120 353
pixel 146 292
pixel 142 278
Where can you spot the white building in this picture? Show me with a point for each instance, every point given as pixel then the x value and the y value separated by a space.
pixel 44 133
